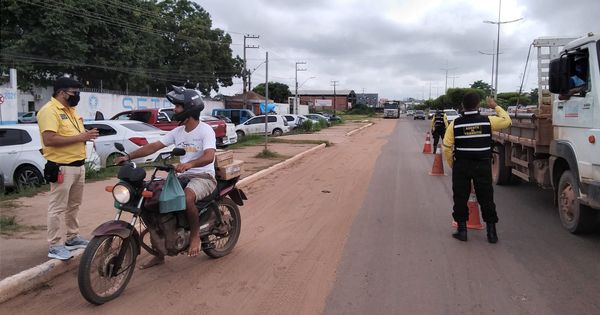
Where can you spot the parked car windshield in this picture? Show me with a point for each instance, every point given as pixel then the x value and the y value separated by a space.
pixel 140 127
pixel 451 112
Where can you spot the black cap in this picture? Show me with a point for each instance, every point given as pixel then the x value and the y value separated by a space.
pixel 65 83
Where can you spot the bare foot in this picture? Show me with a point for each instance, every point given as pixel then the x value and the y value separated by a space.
pixel 155 261
pixel 194 248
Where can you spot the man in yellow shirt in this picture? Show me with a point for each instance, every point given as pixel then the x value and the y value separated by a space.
pixel 468 150
pixel 63 144
pixel 439 123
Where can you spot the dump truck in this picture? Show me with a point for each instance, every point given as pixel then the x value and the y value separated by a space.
pixel 556 143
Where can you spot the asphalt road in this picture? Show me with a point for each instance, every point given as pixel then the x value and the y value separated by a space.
pixel 401 259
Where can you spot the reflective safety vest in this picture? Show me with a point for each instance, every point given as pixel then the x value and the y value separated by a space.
pixel 438 121
pixel 472 136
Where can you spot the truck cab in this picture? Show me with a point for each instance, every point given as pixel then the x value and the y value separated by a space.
pixel 574 79
pixel 556 143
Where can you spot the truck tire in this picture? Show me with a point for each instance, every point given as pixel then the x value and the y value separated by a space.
pixel 501 174
pixel 575 217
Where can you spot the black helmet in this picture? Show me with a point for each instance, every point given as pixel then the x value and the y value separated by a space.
pixel 189 99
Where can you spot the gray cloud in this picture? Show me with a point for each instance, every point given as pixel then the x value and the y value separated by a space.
pixel 395 48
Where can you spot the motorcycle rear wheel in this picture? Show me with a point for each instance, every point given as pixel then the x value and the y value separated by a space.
pixel 98 282
pixel 223 245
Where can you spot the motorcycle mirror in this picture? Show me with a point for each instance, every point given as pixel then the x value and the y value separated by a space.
pixel 178 152
pixel 119 146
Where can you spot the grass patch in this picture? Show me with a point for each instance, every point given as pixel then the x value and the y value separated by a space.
pixel 28 191
pixel 10 204
pixel 248 140
pixel 268 154
pixel 350 117
pixel 8 224
pixel 292 141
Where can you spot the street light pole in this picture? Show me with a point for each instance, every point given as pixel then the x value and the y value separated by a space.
pixel 498 44
pixel 334 96
pixel 296 94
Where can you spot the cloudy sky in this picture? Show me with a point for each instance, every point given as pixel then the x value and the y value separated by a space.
pixel 397 48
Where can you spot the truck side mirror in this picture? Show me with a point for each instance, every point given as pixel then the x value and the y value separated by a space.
pixel 559 75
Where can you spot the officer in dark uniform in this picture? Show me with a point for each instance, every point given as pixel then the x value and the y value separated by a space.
pixel 468 150
pixel 439 123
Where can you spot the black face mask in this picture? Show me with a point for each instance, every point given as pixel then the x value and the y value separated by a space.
pixel 73 100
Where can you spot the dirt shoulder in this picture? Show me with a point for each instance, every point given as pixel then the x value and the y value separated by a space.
pixel 27 247
pixel 294 227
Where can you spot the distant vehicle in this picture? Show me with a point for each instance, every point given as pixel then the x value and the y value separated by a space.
pixel 295 121
pixel 162 118
pixel 410 112
pixel 391 110
pixel 276 126
pixel 330 116
pixel 132 134
pixel 419 114
pixel 237 116
pixel 430 114
pixel 21 159
pixel 27 118
pixel 318 117
pixel 451 114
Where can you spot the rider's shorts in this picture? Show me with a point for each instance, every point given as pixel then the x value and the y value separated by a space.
pixel 201 184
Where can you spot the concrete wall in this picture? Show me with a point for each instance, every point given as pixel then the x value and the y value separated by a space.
pixel 8 105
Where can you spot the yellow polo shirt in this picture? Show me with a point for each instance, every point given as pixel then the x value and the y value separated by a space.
pixel 65 121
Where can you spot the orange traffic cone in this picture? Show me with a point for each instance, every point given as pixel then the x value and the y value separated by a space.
pixel 474 218
pixel 438 164
pixel 427 145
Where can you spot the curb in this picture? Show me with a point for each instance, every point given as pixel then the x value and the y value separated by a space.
pixel 252 178
pixel 34 277
pixel 359 129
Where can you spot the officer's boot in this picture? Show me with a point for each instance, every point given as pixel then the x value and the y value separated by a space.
pixel 461 232
pixel 491 233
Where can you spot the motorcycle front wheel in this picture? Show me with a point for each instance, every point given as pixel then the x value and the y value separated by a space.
pixel 101 277
pixel 224 244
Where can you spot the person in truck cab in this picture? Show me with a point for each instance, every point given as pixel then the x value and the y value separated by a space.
pixel 468 150
pixel 198 140
pixel 578 81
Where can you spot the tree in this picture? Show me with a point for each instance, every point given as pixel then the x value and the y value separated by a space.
pixel 136 44
pixel 279 92
pixel 479 84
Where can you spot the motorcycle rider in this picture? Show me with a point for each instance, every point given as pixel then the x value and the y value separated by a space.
pixel 198 140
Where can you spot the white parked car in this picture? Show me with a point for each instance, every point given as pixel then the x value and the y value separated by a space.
pixel 276 126
pixel 132 134
pixel 21 158
pixel 295 121
pixel 230 135
pixel 318 117
pixel 451 114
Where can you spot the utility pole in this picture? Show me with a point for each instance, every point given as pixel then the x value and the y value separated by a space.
pixel 296 94
pixel 245 71
pixel 334 83
pixel 266 98
pixel 446 70
pixel 493 54
pixel 429 89
pixel 498 44
pixel 453 77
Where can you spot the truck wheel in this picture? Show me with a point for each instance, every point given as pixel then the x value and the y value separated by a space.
pixel 501 174
pixel 575 217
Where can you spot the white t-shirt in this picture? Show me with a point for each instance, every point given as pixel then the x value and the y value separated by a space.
pixel 194 143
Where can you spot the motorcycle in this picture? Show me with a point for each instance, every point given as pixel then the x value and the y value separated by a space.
pixel 108 261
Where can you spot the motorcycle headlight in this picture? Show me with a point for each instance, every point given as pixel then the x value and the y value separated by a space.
pixel 121 193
